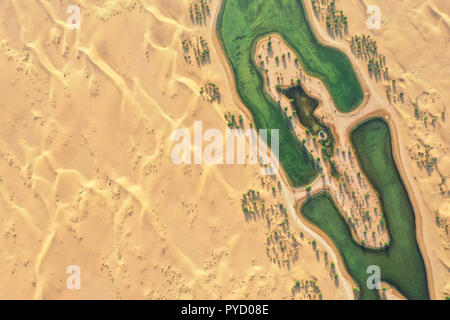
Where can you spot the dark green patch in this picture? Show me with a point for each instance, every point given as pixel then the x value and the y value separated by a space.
pixel 305 106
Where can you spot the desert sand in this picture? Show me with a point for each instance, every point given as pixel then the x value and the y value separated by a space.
pixel 86 176
pixel 86 173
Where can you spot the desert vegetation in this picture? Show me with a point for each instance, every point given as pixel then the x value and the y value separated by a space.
pixel 282 246
pixel 234 122
pixel 210 92
pixel 199 12
pixel 334 19
pixel 198 48
pixel 306 290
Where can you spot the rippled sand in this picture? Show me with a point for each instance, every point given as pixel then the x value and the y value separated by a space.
pixel 86 176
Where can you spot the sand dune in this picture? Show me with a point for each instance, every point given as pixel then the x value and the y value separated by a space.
pixel 86 173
